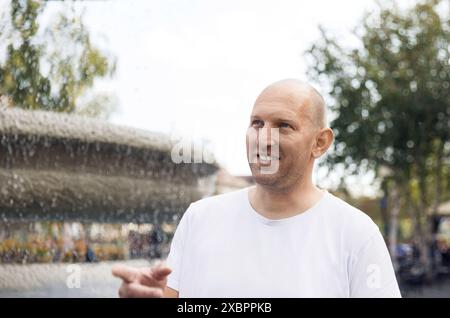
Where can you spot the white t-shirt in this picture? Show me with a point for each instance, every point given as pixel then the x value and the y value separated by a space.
pixel 224 248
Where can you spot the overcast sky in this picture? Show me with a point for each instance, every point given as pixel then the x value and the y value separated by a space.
pixel 194 68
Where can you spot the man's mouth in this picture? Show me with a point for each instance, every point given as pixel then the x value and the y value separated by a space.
pixel 267 159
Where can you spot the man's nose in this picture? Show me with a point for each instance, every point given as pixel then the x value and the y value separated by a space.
pixel 267 137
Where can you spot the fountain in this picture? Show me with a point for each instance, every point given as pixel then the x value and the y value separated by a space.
pixel 64 168
pixel 56 166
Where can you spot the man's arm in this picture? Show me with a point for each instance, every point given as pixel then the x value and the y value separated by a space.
pixel 371 270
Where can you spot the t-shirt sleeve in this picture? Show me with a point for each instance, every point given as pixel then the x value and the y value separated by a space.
pixel 371 272
pixel 175 257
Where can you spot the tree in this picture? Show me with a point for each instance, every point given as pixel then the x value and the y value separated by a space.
pixel 51 69
pixel 391 99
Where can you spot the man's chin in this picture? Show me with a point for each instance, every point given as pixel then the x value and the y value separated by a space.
pixel 264 178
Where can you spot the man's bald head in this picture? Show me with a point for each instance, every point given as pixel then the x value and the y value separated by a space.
pixel 299 93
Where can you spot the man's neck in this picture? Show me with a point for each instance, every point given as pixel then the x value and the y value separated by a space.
pixel 282 204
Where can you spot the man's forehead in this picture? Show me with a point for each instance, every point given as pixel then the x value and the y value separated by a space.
pixel 292 97
pixel 281 105
pixel 276 109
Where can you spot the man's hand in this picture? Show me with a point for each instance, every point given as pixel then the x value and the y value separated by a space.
pixel 142 282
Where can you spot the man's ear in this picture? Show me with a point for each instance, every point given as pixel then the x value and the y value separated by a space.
pixel 324 139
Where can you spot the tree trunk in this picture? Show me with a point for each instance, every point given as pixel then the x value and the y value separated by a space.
pixel 393 223
pixel 425 239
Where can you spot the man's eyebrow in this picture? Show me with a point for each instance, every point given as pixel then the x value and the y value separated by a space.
pixel 276 119
pixel 283 119
pixel 288 121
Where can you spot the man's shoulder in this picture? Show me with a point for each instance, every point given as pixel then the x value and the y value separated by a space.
pixel 356 223
pixel 216 204
pixel 345 209
pixel 220 199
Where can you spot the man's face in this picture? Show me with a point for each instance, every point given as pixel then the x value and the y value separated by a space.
pixel 290 116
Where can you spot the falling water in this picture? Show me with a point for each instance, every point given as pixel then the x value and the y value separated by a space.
pixel 79 190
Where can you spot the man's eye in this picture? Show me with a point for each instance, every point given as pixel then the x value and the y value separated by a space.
pixel 258 123
pixel 285 125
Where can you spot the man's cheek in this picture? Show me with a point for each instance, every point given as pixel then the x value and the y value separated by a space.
pixel 251 143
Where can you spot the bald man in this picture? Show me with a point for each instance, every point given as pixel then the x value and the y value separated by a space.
pixel 283 237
